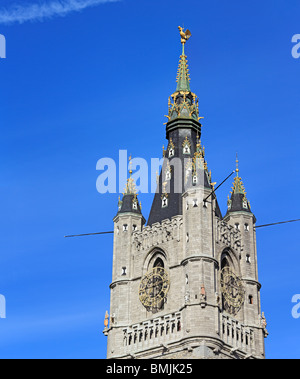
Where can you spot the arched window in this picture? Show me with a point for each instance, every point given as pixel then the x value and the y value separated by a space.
pixel 164 201
pixel 156 282
pixel 231 284
pixel 224 263
pixel 158 263
pixel 186 149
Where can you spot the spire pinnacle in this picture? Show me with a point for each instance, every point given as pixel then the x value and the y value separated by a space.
pixel 237 165
pixel 185 102
pixel 183 79
pixel 129 202
pixel 130 165
pixel 238 186
pixel 238 200
pixel 130 185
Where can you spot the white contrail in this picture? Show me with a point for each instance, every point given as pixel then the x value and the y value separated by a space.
pixel 44 10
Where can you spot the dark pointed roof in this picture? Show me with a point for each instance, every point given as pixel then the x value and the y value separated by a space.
pixel 183 129
pixel 238 201
pixel 129 202
pixel 186 171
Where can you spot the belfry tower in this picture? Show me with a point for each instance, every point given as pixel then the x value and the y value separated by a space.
pixel 185 283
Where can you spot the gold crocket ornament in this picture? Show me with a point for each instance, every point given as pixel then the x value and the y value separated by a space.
pixel 184 35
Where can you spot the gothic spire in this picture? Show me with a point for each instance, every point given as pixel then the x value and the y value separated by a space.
pixel 183 131
pixel 185 102
pixel 130 184
pixel 238 199
pixel 129 202
pixel 183 77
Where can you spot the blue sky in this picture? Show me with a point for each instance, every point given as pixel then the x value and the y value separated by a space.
pixel 78 85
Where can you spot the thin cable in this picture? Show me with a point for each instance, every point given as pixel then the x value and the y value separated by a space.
pixel 87 234
pixel 276 223
pixel 218 186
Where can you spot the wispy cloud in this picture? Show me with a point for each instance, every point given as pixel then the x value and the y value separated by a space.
pixel 41 11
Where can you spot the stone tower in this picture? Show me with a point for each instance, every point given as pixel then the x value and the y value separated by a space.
pixel 185 284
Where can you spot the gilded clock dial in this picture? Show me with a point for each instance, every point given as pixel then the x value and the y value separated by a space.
pixel 154 287
pixel 232 290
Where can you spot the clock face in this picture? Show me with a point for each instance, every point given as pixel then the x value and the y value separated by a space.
pixel 153 288
pixel 232 290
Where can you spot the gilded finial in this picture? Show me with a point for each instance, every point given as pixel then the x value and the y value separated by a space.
pixel 238 186
pixel 130 185
pixel 184 35
pixel 130 165
pixel 237 165
pixel 183 103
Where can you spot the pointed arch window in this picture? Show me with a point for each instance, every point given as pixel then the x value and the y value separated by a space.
pixel 168 172
pixel 158 263
pixel 164 201
pixel 224 263
pixel 232 288
pixel 134 203
pixel 245 202
pixel 171 149
pixel 186 147
pixel 171 152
